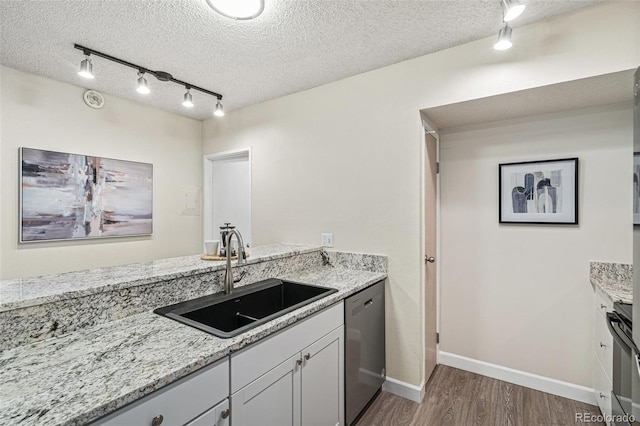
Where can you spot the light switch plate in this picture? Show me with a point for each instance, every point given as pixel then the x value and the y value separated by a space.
pixel 327 240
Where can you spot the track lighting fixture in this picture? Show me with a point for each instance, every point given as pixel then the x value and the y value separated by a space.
pixel 219 112
pixel 143 87
pixel 511 9
pixel 188 99
pixel 238 9
pixel 86 67
pixel 86 70
pixel 504 38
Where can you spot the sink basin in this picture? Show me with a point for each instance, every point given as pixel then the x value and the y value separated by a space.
pixel 227 315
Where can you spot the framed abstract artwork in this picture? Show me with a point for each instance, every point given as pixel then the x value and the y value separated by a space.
pixel 544 192
pixel 67 196
pixel 636 188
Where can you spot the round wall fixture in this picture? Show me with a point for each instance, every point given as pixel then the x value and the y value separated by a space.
pixel 93 99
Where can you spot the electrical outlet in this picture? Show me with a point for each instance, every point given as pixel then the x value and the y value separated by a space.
pixel 327 240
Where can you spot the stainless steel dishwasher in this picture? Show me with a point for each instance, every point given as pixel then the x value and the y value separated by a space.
pixel 364 349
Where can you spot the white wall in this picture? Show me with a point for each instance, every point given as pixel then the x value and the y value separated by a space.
pixel 519 295
pixel 345 157
pixel 38 112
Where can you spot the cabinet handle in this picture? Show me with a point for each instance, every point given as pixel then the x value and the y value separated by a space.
pixel 307 356
pixel 603 396
pixel 299 361
pixel 157 420
pixel 603 306
pixel 602 345
pixel 225 413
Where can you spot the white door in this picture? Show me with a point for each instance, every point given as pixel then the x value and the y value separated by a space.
pixel 271 400
pixel 430 303
pixel 323 381
pixel 227 193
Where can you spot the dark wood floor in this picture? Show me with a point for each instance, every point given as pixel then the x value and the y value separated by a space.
pixel 457 397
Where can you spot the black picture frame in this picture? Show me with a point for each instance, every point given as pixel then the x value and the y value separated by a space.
pixel 636 189
pixel 538 192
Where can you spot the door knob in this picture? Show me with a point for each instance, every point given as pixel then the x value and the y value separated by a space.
pixel 430 259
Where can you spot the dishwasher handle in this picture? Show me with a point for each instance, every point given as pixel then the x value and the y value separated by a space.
pixel 368 303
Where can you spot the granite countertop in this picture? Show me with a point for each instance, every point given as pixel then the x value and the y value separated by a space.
pixel 24 292
pixel 83 375
pixel 614 279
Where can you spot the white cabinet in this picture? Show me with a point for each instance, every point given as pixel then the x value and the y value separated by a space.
pixel 273 399
pixel 603 353
pixel 323 381
pixel 295 377
pixel 179 402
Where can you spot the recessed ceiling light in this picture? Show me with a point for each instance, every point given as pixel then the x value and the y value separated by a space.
pixel 238 9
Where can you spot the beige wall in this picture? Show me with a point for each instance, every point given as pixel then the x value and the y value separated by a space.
pixel 37 112
pixel 524 289
pixel 345 157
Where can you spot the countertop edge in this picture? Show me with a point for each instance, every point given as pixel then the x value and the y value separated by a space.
pixel 207 267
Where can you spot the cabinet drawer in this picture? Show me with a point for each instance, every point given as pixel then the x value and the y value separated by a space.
pixel 603 302
pixel 178 402
pixel 257 359
pixel 602 389
pixel 603 344
pixel 217 416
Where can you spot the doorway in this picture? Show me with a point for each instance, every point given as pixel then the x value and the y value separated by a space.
pixel 227 193
pixel 430 238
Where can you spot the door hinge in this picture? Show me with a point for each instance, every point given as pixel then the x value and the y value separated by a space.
pixel 437 338
pixel 438 167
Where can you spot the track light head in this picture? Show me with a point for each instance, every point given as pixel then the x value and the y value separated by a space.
pixel 143 87
pixel 511 9
pixel 504 38
pixel 188 99
pixel 219 112
pixel 86 68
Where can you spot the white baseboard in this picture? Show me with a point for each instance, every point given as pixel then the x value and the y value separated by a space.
pixel 403 389
pixel 522 378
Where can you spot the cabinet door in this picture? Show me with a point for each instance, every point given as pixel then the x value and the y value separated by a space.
pixel 271 400
pixel 323 381
pixel 217 416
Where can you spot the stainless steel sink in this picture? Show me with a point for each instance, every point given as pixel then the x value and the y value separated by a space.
pixel 227 315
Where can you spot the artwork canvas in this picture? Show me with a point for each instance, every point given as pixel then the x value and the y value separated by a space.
pixel 71 196
pixel 539 192
pixel 636 188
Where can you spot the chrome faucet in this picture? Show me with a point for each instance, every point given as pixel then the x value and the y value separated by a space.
pixel 228 274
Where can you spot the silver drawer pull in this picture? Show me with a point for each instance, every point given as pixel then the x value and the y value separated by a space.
pixel 602 345
pixel 603 396
pixel 225 413
pixel 603 306
pixel 157 420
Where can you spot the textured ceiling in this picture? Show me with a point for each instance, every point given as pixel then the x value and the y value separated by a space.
pixel 294 45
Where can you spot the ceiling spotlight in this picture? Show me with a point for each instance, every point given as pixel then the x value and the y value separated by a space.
pixel 504 38
pixel 238 9
pixel 219 112
pixel 188 100
pixel 143 87
pixel 511 9
pixel 86 67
